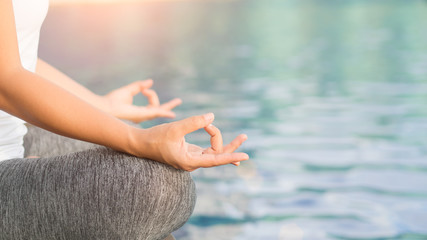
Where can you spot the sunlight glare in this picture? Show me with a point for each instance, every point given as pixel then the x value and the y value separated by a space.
pixel 60 2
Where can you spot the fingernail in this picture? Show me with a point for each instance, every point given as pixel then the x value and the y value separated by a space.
pixel 147 81
pixel 209 117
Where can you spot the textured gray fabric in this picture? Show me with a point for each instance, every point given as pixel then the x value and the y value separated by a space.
pixel 92 194
pixel 39 142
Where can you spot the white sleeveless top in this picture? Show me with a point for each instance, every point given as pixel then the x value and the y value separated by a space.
pixel 29 16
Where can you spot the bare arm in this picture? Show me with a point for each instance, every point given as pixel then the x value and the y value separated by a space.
pixel 45 104
pixel 119 102
pixel 52 74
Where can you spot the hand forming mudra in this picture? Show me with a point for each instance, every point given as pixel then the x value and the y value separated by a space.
pixel 119 103
pixel 93 118
pixel 40 94
pixel 166 143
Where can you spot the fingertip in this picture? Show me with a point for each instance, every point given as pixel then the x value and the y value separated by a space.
pixel 149 80
pixel 209 117
pixel 240 156
pixel 171 116
pixel 167 114
pixel 178 100
pixel 213 131
pixel 146 91
pixel 193 123
pixel 244 137
pixel 146 83
pixel 208 127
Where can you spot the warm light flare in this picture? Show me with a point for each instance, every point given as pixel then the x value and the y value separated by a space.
pixel 56 2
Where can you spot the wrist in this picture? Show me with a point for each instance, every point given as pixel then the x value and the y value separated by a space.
pixel 103 103
pixel 139 143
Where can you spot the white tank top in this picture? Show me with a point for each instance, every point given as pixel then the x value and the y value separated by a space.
pixel 29 16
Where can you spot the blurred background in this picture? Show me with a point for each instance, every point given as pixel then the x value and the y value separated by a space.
pixel 331 93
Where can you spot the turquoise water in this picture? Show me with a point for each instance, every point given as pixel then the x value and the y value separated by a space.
pixel 332 95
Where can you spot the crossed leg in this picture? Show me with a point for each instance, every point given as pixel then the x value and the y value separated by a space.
pixel 97 193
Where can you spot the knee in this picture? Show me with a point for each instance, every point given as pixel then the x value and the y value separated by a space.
pixel 146 198
pixel 141 178
pixel 96 194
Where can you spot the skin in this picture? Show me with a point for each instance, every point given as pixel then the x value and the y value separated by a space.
pixel 118 102
pixel 51 100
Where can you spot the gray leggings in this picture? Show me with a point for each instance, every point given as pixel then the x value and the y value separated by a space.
pixel 78 190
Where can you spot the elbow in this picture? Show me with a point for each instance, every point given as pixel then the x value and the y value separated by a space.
pixel 9 78
pixel 9 72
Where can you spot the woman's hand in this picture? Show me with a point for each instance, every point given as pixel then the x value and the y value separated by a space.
pixel 120 103
pixel 117 103
pixel 166 143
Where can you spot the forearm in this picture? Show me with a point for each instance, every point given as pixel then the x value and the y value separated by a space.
pixel 52 74
pixel 45 104
pixel 51 107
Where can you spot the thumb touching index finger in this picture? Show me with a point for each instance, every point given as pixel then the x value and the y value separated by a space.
pixel 135 87
pixel 194 123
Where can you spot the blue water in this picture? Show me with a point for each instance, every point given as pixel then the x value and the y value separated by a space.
pixel 332 95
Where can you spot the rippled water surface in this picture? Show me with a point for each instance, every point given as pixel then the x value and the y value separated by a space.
pixel 333 96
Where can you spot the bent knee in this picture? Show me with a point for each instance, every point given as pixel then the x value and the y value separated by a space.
pixel 148 197
pixel 98 193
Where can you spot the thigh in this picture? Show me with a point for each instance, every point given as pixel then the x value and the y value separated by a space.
pixel 92 194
